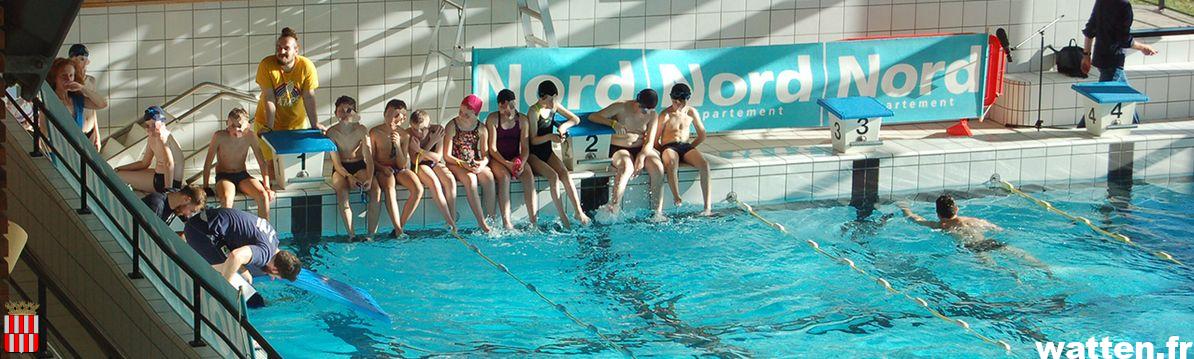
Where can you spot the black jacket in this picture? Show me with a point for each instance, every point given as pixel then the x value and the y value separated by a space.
pixel 1110 25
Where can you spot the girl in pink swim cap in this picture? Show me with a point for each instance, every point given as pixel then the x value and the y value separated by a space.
pixel 466 151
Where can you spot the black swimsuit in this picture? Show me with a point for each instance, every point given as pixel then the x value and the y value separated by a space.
pixel 234 177
pixel 681 148
pixel 545 126
pixel 354 167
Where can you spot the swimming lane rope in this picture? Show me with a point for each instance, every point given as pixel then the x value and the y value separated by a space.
pixel 1115 236
pixel 877 279
pixel 531 287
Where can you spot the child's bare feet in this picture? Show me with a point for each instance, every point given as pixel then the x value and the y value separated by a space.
pixel 584 219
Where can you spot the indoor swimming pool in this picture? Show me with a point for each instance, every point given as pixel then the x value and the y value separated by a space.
pixel 731 286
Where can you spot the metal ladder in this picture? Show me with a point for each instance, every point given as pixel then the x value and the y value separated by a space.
pixel 541 12
pixel 128 141
pixel 455 58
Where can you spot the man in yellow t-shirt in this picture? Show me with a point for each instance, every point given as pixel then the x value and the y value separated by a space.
pixel 288 82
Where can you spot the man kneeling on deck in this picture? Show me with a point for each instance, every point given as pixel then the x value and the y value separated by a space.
pixel 234 241
pixel 182 202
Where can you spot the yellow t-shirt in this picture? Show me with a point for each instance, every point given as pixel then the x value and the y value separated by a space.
pixel 290 113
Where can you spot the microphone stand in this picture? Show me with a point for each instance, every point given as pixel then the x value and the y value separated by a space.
pixel 1041 71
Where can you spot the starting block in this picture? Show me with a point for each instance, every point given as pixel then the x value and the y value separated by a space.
pixel 307 146
pixel 854 121
pixel 1112 107
pixel 587 145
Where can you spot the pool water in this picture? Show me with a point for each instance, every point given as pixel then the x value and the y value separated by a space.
pixel 730 286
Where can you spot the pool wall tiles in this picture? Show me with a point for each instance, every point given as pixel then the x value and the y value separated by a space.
pixel 373 49
pixel 1169 86
pixel 917 166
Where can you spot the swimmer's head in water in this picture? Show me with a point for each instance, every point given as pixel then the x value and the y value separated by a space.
pixel 196 199
pixel 470 105
pixel 647 99
pixel 238 121
pixel 345 106
pixel 681 92
pixel 395 111
pixel 285 265
pixel 946 208
pixel 506 104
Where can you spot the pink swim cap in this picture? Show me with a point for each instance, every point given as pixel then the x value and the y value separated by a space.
pixel 473 103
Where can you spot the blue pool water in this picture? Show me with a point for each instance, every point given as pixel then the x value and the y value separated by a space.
pixel 729 286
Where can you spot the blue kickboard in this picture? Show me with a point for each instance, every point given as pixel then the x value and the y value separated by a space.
pixel 1109 92
pixel 355 298
pixel 850 108
pixel 298 141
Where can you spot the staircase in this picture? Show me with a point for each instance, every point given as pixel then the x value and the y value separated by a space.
pixel 127 144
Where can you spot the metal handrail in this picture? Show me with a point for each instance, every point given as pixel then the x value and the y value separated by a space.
pixel 225 92
pixel 141 217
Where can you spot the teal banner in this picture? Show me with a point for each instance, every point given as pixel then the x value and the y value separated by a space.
pixel 756 87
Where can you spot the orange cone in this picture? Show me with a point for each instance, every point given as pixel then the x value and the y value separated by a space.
pixel 960 129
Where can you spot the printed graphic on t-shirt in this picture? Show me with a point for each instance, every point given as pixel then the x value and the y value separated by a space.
pixel 286 94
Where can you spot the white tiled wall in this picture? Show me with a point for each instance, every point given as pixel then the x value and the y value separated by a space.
pixel 374 50
pixel 1169 86
pixel 1057 158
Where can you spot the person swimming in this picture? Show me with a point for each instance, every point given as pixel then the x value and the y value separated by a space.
pixel 970 232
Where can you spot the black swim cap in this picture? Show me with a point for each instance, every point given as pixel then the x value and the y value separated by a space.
pixel 681 92
pixel 506 95
pixel 548 88
pixel 647 98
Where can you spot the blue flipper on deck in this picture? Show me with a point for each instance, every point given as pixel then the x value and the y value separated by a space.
pixel 356 298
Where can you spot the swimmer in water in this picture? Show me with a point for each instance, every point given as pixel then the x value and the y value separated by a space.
pixel 970 232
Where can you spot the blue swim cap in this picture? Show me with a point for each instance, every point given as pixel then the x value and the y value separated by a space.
pixel 155 113
pixel 78 50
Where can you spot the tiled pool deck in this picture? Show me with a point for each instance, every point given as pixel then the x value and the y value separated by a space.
pixel 777 166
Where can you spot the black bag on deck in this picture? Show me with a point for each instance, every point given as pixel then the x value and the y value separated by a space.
pixel 1069 60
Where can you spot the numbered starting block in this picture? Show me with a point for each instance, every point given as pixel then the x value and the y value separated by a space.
pixel 1112 107
pixel 307 146
pixel 854 121
pixel 587 146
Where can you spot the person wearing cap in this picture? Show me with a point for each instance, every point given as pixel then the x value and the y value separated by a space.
pixel 543 130
pixel 288 82
pixel 236 242
pixel 509 152
pixel 352 162
pixel 80 100
pixel 79 54
pixel 161 166
pixel 674 126
pixel 466 151
pixel 632 147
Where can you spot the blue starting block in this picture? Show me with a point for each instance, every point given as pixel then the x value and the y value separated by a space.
pixel 587 143
pixel 1112 106
pixel 854 121
pixel 309 146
